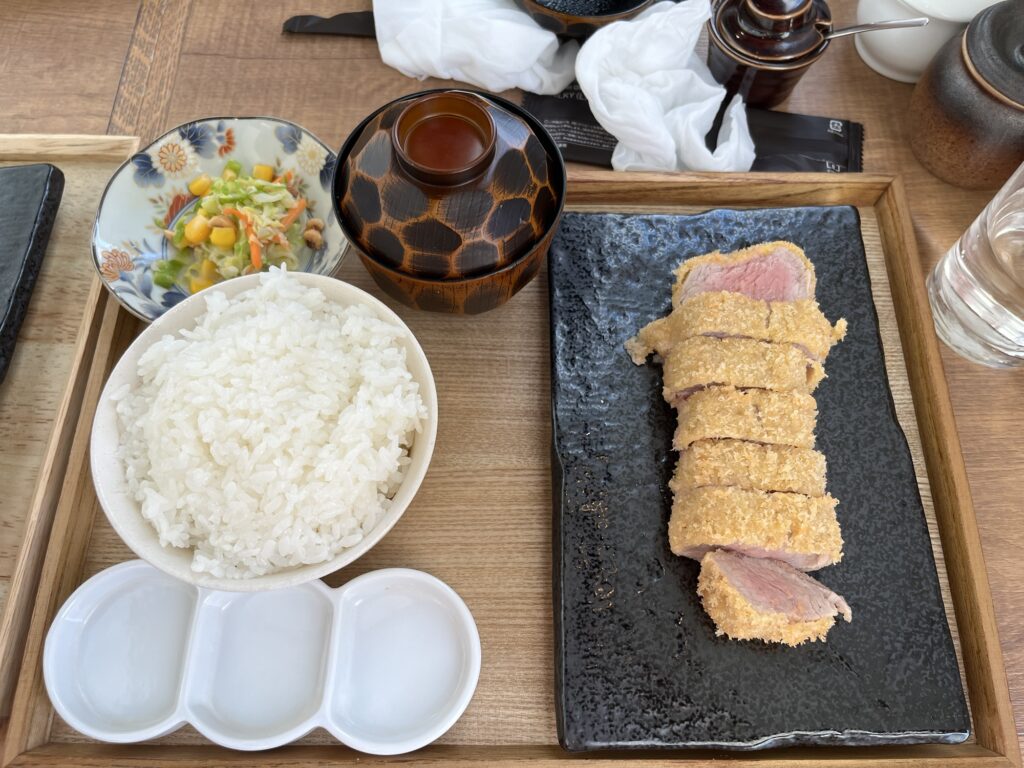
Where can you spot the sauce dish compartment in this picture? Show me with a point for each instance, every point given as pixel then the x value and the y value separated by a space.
pixel 258 665
pixel 406 666
pixel 386 663
pixel 115 657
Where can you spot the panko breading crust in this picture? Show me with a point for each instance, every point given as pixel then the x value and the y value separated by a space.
pixel 804 527
pixel 702 360
pixel 759 415
pixel 728 314
pixel 751 466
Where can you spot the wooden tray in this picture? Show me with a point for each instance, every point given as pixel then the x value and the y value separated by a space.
pixel 482 519
pixel 45 384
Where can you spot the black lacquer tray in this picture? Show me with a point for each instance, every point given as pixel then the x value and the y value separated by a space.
pixel 637 661
pixel 29 198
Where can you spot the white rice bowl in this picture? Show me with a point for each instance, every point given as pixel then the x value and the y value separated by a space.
pixel 273 433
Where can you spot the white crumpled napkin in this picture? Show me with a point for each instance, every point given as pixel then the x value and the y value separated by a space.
pixel 649 89
pixel 489 43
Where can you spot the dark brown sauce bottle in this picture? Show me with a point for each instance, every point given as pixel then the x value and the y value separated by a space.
pixel 761 48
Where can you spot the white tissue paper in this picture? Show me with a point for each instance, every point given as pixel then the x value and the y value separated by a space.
pixel 491 44
pixel 649 89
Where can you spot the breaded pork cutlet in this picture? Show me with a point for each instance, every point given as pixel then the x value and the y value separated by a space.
pixel 724 314
pixel 752 466
pixel 777 271
pixel 704 361
pixel 797 529
pixel 752 599
pixel 759 415
pixel 741 353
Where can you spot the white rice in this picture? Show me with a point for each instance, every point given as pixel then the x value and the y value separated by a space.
pixel 274 433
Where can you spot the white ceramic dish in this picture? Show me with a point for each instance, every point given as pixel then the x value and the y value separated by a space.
pixel 387 663
pixel 903 54
pixel 123 511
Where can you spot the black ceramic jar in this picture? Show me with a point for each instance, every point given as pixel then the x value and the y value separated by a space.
pixel 967 111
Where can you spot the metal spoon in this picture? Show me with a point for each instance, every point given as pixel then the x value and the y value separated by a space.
pixel 895 24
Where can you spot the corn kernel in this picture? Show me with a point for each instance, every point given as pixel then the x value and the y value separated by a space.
pixel 198 229
pixel 223 237
pixel 263 172
pixel 208 270
pixel 196 284
pixel 200 185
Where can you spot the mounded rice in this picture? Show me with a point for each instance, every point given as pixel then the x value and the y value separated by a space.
pixel 273 434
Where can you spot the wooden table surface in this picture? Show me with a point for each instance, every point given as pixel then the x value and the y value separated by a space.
pixel 119 66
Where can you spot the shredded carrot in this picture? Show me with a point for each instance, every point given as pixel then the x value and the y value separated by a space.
pixel 255 251
pixel 293 213
pixel 238 213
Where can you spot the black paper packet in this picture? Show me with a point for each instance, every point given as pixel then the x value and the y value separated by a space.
pixel 782 141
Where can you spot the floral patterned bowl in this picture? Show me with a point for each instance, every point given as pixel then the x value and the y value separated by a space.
pixel 150 191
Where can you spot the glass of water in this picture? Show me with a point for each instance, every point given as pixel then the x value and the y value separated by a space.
pixel 977 289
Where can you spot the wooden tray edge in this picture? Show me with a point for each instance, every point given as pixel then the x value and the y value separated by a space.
pixel 39 517
pixel 38 521
pixel 497 756
pixel 31 712
pixel 43 146
pixel 954 509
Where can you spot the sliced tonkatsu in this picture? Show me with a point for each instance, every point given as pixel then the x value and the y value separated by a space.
pixel 756 599
pixel 791 527
pixel 758 415
pixel 704 361
pixel 741 353
pixel 751 466
pixel 724 314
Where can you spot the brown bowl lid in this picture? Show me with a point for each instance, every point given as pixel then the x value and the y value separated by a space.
pixel 447 185
pixel 994 46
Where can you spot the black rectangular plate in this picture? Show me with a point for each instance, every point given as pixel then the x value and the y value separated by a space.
pixel 637 661
pixel 29 198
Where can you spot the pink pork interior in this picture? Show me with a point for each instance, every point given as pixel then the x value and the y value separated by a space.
pixel 778 275
pixel 774 587
pixel 799 560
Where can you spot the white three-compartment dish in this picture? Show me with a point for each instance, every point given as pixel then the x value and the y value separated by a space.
pixel 386 663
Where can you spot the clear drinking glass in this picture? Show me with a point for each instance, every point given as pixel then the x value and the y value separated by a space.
pixel 977 289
